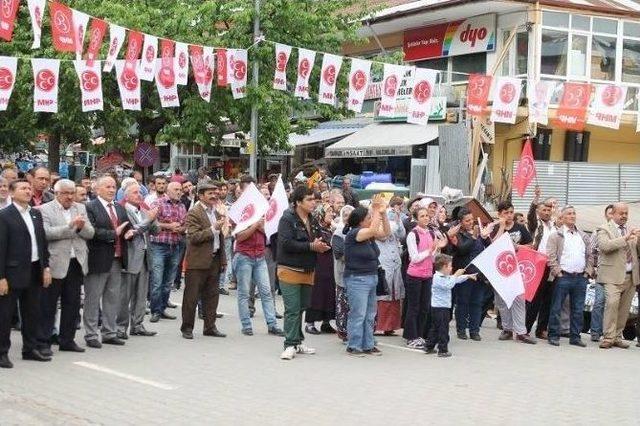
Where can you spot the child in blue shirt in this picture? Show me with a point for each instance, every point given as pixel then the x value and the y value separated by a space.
pixel 443 283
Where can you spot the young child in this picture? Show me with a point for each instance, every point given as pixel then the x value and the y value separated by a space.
pixel 443 283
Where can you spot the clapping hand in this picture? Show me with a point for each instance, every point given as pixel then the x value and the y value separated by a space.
pixel 319 246
pixel 152 213
pixel 4 287
pixel 77 222
pixel 46 277
pixel 121 227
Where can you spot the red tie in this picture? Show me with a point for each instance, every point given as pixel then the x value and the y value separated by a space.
pixel 114 222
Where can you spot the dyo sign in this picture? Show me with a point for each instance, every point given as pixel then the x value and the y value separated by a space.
pixel 473 35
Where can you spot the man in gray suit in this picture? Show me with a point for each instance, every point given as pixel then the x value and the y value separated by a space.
pixel 135 278
pixel 67 228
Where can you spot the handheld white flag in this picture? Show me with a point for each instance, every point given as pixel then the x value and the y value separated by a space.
pixel 278 203
pixel 499 264
pixel 248 209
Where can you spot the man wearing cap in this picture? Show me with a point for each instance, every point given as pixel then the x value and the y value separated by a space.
pixel 205 261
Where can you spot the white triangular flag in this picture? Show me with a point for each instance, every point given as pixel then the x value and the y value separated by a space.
pixel 8 69
pixel 149 54
pixel 45 84
pixel 117 35
pixel 36 11
pixel 90 85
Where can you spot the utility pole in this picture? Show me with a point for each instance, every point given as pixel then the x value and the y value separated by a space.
pixel 253 159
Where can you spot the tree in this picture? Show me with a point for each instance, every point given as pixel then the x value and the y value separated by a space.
pixel 317 25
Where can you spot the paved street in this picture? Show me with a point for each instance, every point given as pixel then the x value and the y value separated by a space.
pixel 241 380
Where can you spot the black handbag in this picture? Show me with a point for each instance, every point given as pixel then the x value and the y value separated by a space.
pixel 381 288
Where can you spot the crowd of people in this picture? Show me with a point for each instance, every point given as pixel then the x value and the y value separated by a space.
pixel 115 250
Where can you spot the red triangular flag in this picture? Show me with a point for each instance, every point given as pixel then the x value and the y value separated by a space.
pixel 526 170
pixel 62 32
pixel 531 265
pixel 8 11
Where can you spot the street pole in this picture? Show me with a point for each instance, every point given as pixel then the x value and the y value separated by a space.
pixel 253 159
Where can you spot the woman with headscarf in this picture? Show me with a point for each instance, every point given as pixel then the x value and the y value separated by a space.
pixel 337 246
pixel 390 306
pixel 323 293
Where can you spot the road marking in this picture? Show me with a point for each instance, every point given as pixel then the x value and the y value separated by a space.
pixel 403 348
pixel 126 376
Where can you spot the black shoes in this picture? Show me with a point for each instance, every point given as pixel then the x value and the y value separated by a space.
pixel 554 342
pixel 46 352
pixel 94 343
pixel 155 318
pixel 187 335
pixel 276 331
pixel 5 362
pixel 143 332
pixel 247 332
pixel 311 329
pixel 35 355
pixel 326 328
pixel 122 335
pixel 579 343
pixel 113 341
pixel 71 347
pixel 462 335
pixel 214 333
pixel 475 337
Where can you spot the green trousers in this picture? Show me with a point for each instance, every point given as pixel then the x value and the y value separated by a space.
pixel 296 298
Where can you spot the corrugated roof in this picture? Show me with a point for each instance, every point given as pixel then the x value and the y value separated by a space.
pixel 629 8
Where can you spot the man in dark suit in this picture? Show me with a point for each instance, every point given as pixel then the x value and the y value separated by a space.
pixel 205 260
pixel 107 259
pixel 24 268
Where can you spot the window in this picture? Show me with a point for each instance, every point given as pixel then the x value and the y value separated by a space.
pixel 468 64
pixel 582 23
pixel 631 102
pixel 603 58
pixel 579 55
pixel 576 146
pixel 555 19
pixel 608 26
pixel 522 53
pixel 440 64
pixel 553 59
pixel 542 145
pixel 631 61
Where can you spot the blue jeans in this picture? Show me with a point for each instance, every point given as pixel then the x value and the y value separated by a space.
pixel 575 286
pixel 246 270
pixel 165 260
pixel 597 312
pixel 225 277
pixel 470 297
pixel 361 291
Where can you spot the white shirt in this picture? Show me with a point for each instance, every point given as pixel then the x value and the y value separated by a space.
pixel 26 216
pixel 573 253
pixel 67 217
pixel 547 228
pixel 211 213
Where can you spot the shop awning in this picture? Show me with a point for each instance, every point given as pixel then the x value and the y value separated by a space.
pixel 382 140
pixel 319 135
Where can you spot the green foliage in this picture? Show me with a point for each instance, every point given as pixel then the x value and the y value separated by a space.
pixel 316 25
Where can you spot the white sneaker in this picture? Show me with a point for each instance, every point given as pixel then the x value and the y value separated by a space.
pixel 306 350
pixel 289 353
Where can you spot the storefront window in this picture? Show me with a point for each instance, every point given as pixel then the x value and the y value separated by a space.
pixel 440 64
pixel 608 26
pixel 603 57
pixel 631 103
pixel 579 55
pixel 468 64
pixel 554 52
pixel 631 29
pixel 631 61
pixel 582 23
pixel 522 53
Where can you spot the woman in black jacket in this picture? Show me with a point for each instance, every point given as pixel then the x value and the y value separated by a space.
pixel 296 258
pixel 470 296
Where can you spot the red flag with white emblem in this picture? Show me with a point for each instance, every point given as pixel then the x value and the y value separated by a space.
pixel 149 55
pixel 134 47
pixel 8 68
pixel 129 85
pixel 393 75
pixel 97 32
pixel 90 85
pixel 607 106
pixel 237 63
pixel 306 58
pixel 478 94
pixel 45 84
pixel 116 35
pixel 531 264
pixel 62 29
pixel 8 12
pixel 572 111
pixel 359 77
pixel 506 97
pixel 36 12
pixel 499 264
pixel 331 65
pixel 526 170
pixel 283 53
pixel 424 83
